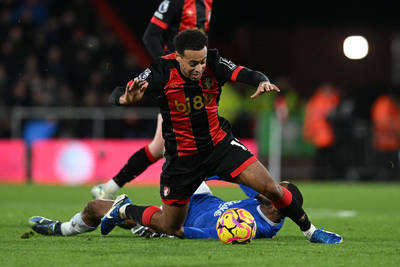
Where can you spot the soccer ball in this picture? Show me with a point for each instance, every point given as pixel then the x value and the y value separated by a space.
pixel 236 226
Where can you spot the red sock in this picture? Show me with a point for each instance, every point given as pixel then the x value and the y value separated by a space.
pixel 149 155
pixel 285 200
pixel 147 213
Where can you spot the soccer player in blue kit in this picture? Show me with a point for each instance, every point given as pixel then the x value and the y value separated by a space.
pixel 204 211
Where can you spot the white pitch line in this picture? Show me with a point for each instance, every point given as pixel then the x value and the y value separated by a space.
pixel 331 213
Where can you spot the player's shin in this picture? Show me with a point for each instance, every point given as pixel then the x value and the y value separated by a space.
pixel 136 164
pixel 140 214
pixel 290 207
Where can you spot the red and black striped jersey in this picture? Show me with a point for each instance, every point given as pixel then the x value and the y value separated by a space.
pixel 173 17
pixel 190 108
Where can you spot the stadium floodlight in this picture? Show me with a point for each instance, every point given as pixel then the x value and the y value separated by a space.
pixel 355 47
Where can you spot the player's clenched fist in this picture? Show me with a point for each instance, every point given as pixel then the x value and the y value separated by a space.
pixel 134 91
pixel 265 87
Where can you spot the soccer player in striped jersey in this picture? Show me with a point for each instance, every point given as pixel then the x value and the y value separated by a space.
pixel 171 17
pixel 199 143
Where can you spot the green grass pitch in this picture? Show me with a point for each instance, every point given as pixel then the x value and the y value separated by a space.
pixel 367 215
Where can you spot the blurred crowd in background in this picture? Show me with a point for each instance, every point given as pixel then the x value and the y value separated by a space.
pixel 59 54
pixel 56 53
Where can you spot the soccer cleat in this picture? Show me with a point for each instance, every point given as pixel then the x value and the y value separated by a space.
pixel 45 226
pixel 112 218
pixel 325 237
pixel 98 192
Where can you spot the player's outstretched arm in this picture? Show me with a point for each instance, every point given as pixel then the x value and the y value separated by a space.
pixel 134 91
pixel 131 93
pixel 264 87
pixel 253 78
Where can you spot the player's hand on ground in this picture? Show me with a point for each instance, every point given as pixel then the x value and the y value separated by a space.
pixel 134 91
pixel 145 232
pixel 141 230
pixel 264 87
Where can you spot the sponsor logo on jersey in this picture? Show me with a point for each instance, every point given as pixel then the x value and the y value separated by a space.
pixel 207 81
pixel 196 103
pixel 224 207
pixel 227 63
pixel 145 74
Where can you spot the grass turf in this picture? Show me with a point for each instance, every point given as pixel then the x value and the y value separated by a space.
pixel 367 215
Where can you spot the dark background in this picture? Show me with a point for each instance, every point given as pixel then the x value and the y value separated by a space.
pixel 72 57
pixel 299 40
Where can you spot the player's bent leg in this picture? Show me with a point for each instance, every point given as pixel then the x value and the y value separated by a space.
pixel 75 226
pixel 80 223
pixel 95 210
pixel 136 165
pixel 85 221
pixel 170 219
pixel 156 146
pixel 257 177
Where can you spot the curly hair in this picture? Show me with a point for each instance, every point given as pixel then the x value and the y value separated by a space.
pixel 190 40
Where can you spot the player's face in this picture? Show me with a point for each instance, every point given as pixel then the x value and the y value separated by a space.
pixel 192 63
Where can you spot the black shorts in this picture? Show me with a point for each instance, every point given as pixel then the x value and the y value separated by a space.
pixel 181 176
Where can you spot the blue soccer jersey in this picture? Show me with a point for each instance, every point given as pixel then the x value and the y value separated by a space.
pixel 205 209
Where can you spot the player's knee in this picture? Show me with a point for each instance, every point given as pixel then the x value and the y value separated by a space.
pixel 92 210
pixel 272 190
pixel 156 149
pixel 172 229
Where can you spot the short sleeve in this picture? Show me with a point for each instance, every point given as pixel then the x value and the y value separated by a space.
pixel 166 13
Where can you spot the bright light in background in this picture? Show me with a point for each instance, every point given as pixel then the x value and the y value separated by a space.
pixel 355 47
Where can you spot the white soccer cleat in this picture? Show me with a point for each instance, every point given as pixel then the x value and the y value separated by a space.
pixel 98 192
